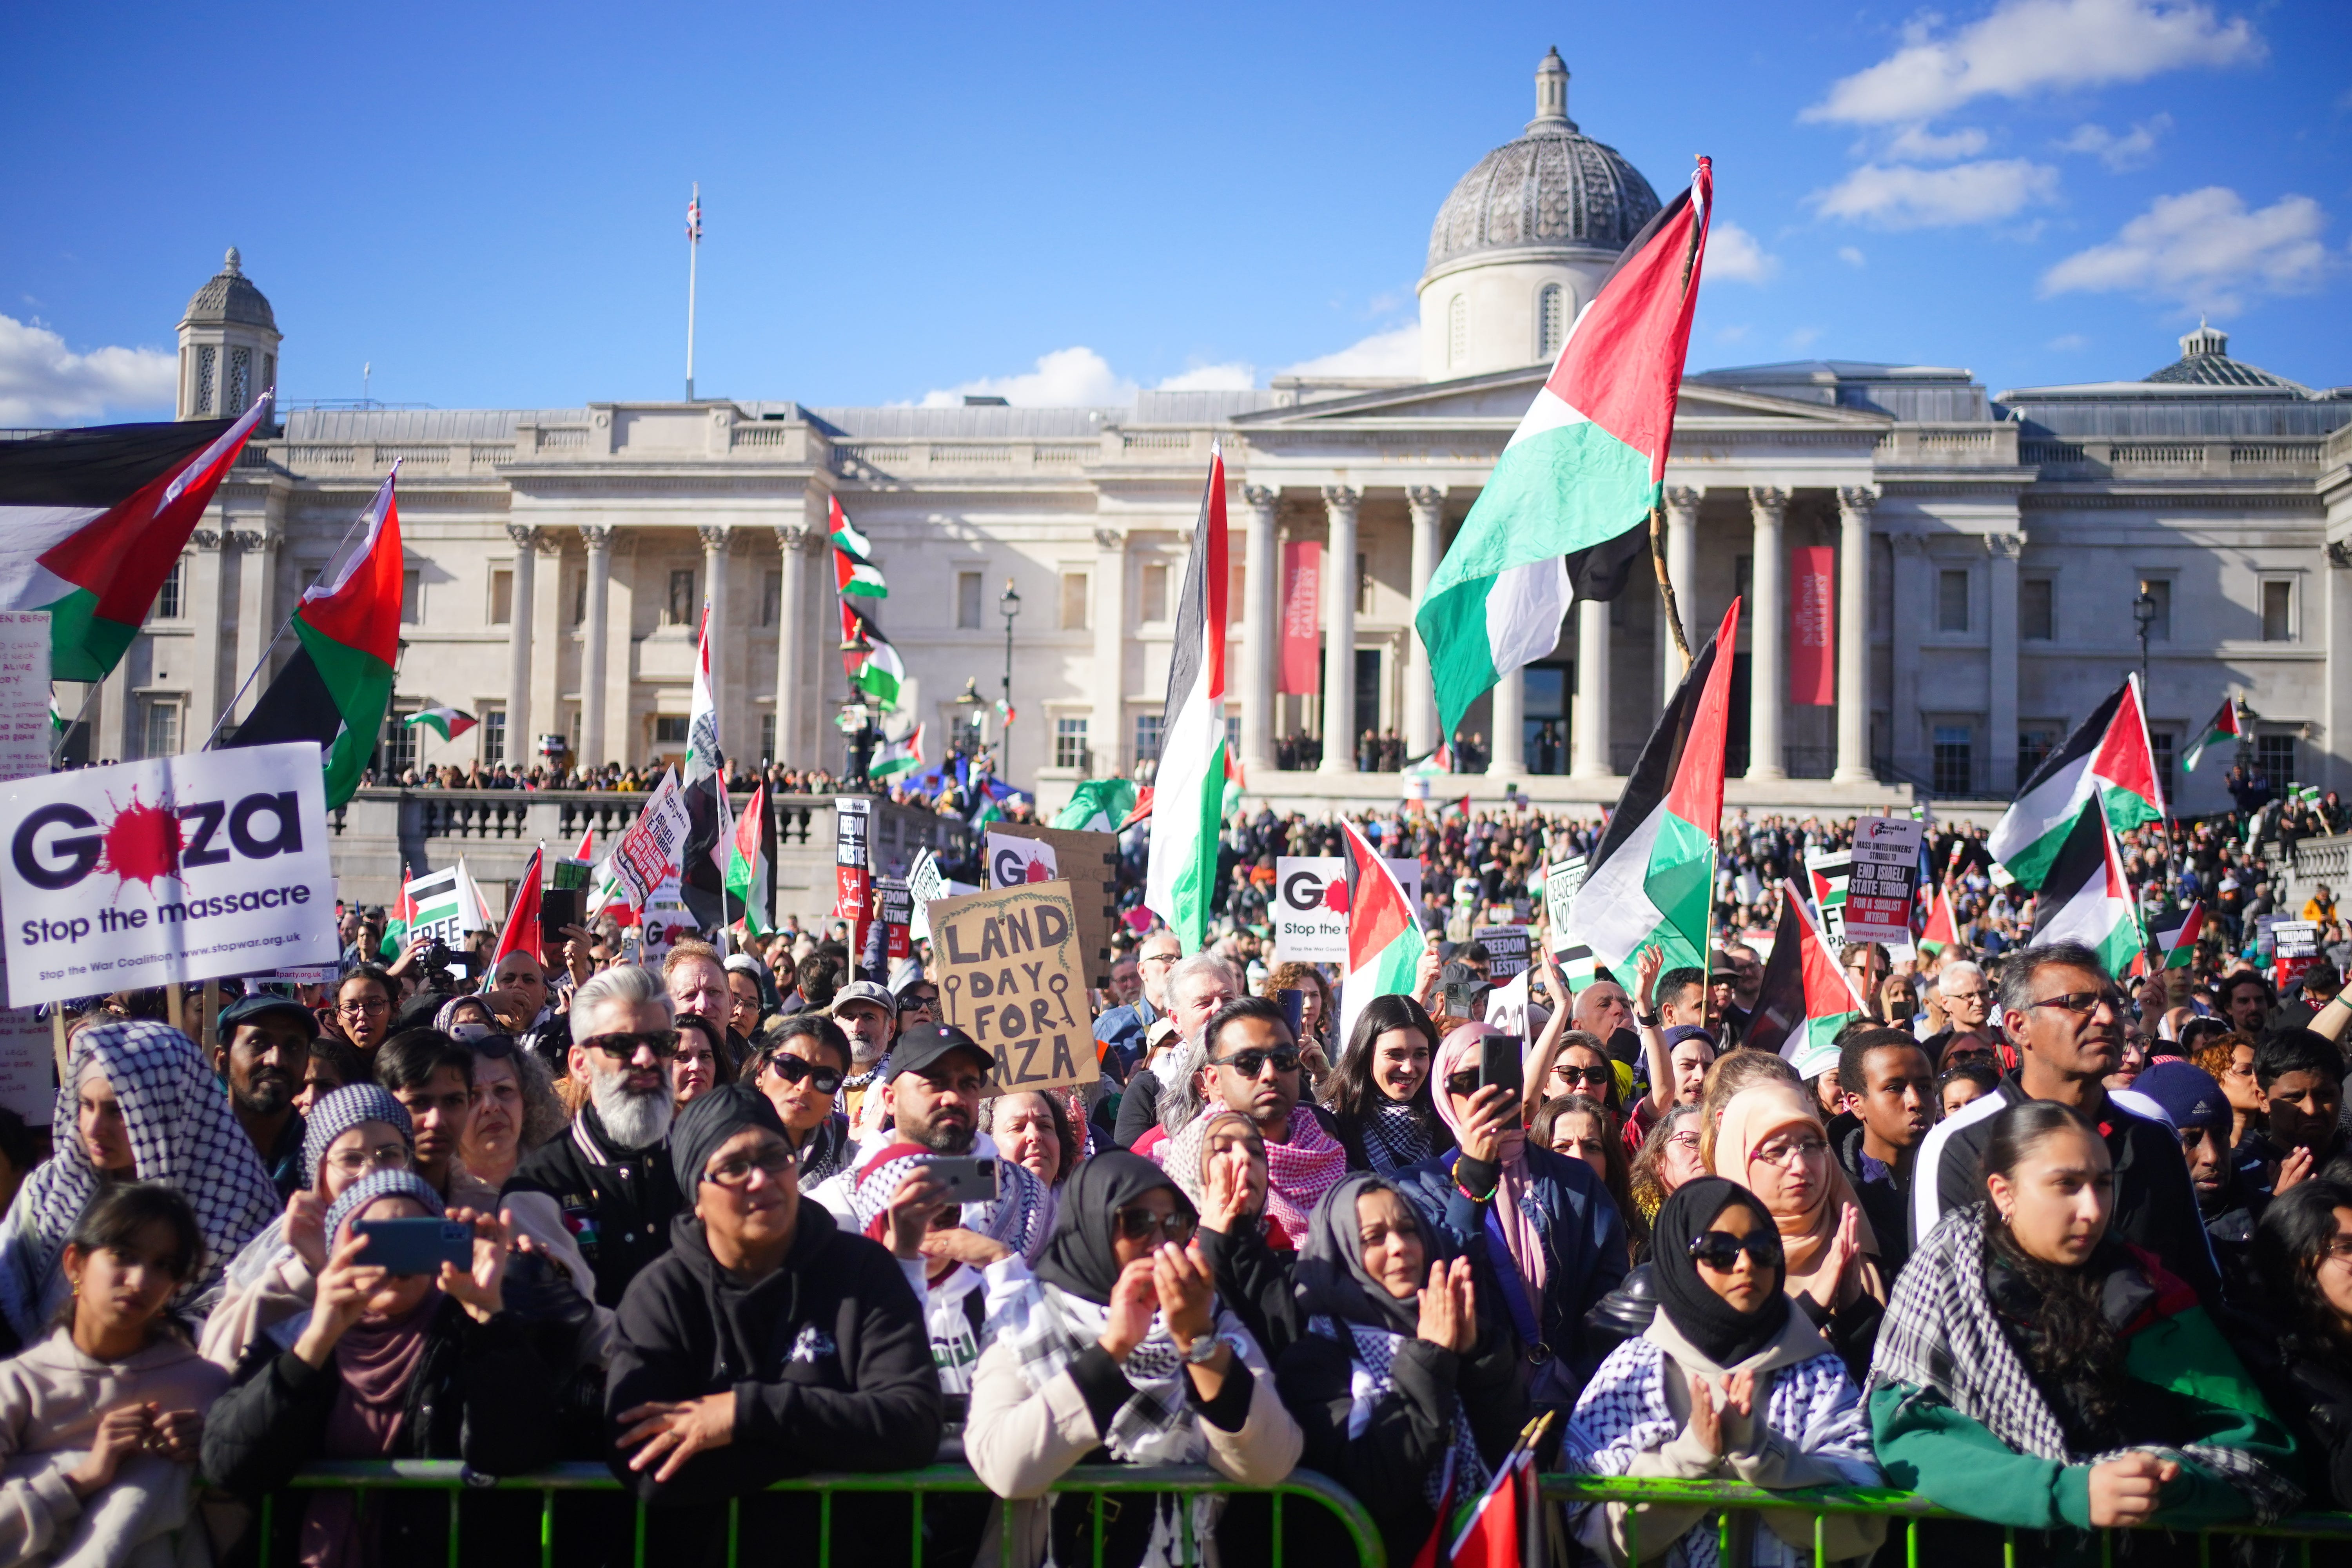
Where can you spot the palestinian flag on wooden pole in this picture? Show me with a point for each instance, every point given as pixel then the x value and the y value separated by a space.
pixel 335 687
pixel 2107 758
pixel 442 721
pixel 853 570
pixel 1805 999
pixel 2087 897
pixel 2173 936
pixel 520 932
pixel 747 863
pixel 91 521
pixel 1189 789
pixel 2226 725
pixel 1652 876
pixel 1563 513
pixel 1385 941
pixel 710 817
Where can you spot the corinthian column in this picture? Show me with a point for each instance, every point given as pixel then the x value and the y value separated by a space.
pixel 1261 631
pixel 1339 504
pixel 792 541
pixel 1854 634
pixel 521 598
pixel 598 537
pixel 1427 503
pixel 1766 606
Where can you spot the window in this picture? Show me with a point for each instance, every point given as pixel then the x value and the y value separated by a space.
pixel 1363 584
pixel 1952 601
pixel 208 359
pixel 412 598
pixel 967 600
pixel 669 730
pixel 269 371
pixel 2277 755
pixel 2034 744
pixel 1551 320
pixel 2159 625
pixel 2278 612
pixel 771 598
pixel 1233 734
pixel 169 603
pixel 1155 595
pixel 1457 333
pixel 494 736
pixel 768 735
pixel 1069 742
pixel 240 380
pixel 2163 743
pixel 1743 575
pixel 501 598
pixel 1074 601
pixel 679 610
pixel 163 732
pixel 1236 590
pixel 400 749
pixel 2037 619
pixel 1147 738
pixel 1955 758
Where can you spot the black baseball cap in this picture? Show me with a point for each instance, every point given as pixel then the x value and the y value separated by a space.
pixel 246 1009
pixel 925 1044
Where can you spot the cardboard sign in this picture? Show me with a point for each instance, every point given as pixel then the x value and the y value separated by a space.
pixel 1507 950
pixel 1882 881
pixel 24 696
pixel 1088 862
pixel 1010 977
pixel 1013 861
pixel 178 869
pixel 1562 879
pixel 1309 907
pixel 655 846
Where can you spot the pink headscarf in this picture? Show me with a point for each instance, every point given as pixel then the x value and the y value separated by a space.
pixel 1456 1052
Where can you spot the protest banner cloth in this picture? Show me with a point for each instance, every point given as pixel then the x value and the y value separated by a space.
pixel 1089 861
pixel 1310 905
pixel 1507 950
pixel 1010 977
pixel 648 852
pixel 1882 879
pixel 174 869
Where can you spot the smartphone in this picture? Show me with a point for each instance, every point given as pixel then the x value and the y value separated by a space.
pixel 1294 1010
pixel 970 1179
pixel 414 1246
pixel 1499 1063
pixel 558 908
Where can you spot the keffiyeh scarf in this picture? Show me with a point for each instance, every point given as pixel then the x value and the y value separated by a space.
pixel 338 1113
pixel 1049 1328
pixel 1297 1174
pixel 1396 1134
pixel 1943 1334
pixel 1370 1378
pixel 1021 1217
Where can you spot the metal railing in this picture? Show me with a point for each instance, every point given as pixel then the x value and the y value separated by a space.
pixel 1094 1481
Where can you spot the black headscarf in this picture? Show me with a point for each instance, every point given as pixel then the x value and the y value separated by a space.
pixel 714 1117
pixel 1079 1255
pixel 1330 1275
pixel 1723 1336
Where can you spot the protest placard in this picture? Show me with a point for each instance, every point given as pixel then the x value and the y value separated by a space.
pixel 898 914
pixel 1881 879
pixel 653 847
pixel 1012 860
pixel 446 909
pixel 27 1072
pixel 1010 977
pixel 852 864
pixel 178 869
pixel 1088 862
pixel 925 882
pixel 1507 950
pixel 24 694
pixel 1309 907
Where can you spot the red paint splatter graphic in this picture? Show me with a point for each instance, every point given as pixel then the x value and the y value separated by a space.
pixel 1037 872
pixel 143 844
pixel 1335 895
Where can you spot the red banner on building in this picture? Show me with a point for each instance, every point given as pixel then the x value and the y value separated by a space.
pixel 1812 626
pixel 1302 604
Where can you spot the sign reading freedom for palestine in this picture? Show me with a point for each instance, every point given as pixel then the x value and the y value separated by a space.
pixel 178 869
pixel 1012 978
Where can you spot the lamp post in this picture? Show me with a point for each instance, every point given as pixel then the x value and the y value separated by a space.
pixel 1008 605
pixel 2143 616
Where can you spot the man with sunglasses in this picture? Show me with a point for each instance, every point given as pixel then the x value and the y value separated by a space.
pixel 1254 1069
pixel 2064 1015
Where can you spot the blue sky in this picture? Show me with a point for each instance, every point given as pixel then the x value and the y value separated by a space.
pixel 486 202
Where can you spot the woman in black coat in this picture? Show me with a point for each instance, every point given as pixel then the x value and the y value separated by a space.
pixel 2302 1352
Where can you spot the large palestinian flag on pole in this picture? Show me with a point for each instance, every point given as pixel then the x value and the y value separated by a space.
pixel 747 865
pixel 1385 941
pixel 1805 999
pixel 710 817
pixel 2087 897
pixel 1563 513
pixel 2107 758
pixel 335 687
pixel 2224 726
pixel 1189 789
pixel 92 521
pixel 1652 876
pixel 874 668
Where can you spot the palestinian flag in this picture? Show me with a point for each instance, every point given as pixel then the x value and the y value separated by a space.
pixel 710 817
pixel 2107 758
pixel 448 722
pixel 2174 936
pixel 896 757
pixel 1562 513
pixel 1502 1528
pixel 2226 725
pixel 2087 897
pixel 402 916
pixel 334 689
pixel 852 558
pixel 746 864
pixel 1652 876
pixel 1943 928
pixel 520 932
pixel 1099 806
pixel 1805 999
pixel 1139 812
pixel 1438 760
pixel 875 668
pixel 1190 785
pixel 91 521
pixel 1384 936
pixel 1827 873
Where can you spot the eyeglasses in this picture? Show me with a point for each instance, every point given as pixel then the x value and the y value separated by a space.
pixel 775 1165
pixel 2340 1247
pixel 1249 1064
pixel 1683 1140
pixel 1142 1225
pixel 383 1157
pixel 1720 1250
pixel 623 1048
pixel 1786 1151
pixel 363 1006
pixel 1567 1073
pixel 793 1069
pixel 2082 1004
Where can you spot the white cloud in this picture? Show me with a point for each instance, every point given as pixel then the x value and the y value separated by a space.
pixel 1066 378
pixel 2202 249
pixel 1733 256
pixel 1738 334
pixel 44 382
pixel 2128 151
pixel 1392 353
pixel 1233 376
pixel 1852 256
pixel 1803 337
pixel 1901 195
pixel 2067 342
pixel 1918 141
pixel 2029 45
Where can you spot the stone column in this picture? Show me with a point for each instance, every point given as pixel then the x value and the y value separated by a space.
pixel 1681 571
pixel 1261 626
pixel 623 734
pixel 257 616
pixel 1339 504
pixel 1589 755
pixel 1506 756
pixel 2001 704
pixel 2335 736
pixel 1855 502
pixel 1910 597
pixel 714 537
pixel 1767 609
pixel 549 653
pixel 1427 503
pixel 792 539
pixel 200 592
pixel 1104 725
pixel 598 537
pixel 522 603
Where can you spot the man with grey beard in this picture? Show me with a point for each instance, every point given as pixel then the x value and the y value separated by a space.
pixel 609 1175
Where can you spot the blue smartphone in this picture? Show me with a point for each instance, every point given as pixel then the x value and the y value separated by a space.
pixel 414 1246
pixel 1293 1011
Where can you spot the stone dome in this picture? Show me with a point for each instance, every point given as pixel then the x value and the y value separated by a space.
pixel 1554 189
pixel 230 298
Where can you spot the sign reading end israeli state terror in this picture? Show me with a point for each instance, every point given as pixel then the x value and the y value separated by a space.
pixel 1013 977
pixel 186 868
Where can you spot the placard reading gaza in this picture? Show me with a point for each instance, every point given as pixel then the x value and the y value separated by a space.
pixel 1011 977
pixel 186 868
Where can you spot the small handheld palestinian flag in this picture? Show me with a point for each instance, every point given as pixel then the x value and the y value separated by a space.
pixel 746 864
pixel 1098 804
pixel 520 932
pixel 1384 936
pixel 854 571
pixel 875 667
pixel 2087 899
pixel 900 756
pixel 2107 758
pixel 448 722
pixel 402 916
pixel 2174 935
pixel 1943 929
pixel 2225 725
pixel 1806 998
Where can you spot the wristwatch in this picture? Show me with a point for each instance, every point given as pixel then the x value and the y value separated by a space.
pixel 1647 1020
pixel 1203 1350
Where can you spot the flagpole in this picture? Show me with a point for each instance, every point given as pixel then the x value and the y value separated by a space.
pixel 1666 586
pixel 693 255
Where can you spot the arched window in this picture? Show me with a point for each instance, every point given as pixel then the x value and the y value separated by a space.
pixel 1551 320
pixel 1457 332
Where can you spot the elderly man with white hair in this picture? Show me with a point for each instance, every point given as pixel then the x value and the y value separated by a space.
pixel 1965 998
pixel 1197 987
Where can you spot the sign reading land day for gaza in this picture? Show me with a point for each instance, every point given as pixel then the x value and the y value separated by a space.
pixel 178 869
pixel 1012 976
pixel 1311 906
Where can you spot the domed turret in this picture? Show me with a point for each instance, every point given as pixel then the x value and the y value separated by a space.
pixel 228 345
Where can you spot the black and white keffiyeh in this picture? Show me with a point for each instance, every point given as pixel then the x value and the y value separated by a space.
pixel 1049 1328
pixel 1021 1217
pixel 1943 1334
pixel 1370 1379
pixel 1397 1134
pixel 338 1113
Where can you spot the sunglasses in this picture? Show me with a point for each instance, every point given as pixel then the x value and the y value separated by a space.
pixel 1720 1250
pixel 1462 1085
pixel 1249 1064
pixel 623 1048
pixel 1566 1074
pixel 1142 1225
pixel 793 1069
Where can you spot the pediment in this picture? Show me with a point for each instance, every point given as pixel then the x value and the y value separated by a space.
pixel 1504 396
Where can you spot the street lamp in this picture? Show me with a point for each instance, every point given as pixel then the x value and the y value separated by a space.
pixel 1008 605
pixel 2144 612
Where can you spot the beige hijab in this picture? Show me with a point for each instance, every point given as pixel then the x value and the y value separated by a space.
pixel 1754 1116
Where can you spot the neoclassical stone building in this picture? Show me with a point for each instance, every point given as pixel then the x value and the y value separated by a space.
pixel 1940 579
